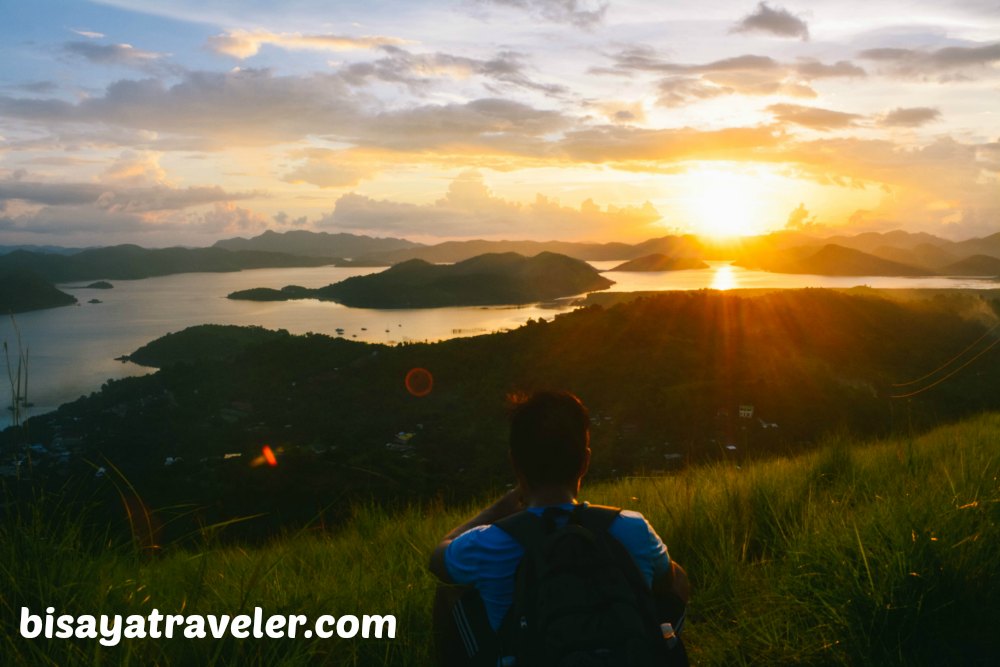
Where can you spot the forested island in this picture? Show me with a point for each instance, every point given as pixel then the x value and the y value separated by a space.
pixel 491 279
pixel 661 262
pixel 22 290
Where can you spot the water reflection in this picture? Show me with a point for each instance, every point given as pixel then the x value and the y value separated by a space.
pixel 724 278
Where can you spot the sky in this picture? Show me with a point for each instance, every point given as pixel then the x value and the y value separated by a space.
pixel 183 122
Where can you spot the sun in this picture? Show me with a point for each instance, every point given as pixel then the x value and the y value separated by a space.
pixel 720 203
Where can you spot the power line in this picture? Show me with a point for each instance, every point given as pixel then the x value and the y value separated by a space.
pixel 942 379
pixel 953 359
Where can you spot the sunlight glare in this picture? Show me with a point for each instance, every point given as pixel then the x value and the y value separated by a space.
pixel 723 203
pixel 723 278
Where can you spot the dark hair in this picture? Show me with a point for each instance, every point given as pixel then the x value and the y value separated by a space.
pixel 548 436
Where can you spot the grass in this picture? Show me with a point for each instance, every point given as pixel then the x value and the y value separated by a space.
pixel 882 553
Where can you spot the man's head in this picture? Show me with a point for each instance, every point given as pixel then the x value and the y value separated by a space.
pixel 549 439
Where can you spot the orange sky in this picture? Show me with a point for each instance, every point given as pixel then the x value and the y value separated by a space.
pixel 182 122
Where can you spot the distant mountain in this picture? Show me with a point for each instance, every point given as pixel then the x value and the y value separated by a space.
pixel 50 249
pixel 22 290
pixel 127 262
pixel 987 245
pixel 869 241
pixel 491 279
pixel 317 244
pixel 457 251
pixel 836 260
pixel 976 265
pixel 661 262
pixel 924 255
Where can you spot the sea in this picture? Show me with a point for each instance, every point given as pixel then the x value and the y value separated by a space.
pixel 73 350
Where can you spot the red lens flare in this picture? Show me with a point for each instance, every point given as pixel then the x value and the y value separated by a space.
pixel 419 382
pixel 269 456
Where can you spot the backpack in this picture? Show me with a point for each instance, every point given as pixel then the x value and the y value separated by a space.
pixel 579 598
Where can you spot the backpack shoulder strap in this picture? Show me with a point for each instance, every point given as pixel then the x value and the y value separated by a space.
pixel 595 518
pixel 526 528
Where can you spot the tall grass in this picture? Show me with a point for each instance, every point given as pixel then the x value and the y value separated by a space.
pixel 855 554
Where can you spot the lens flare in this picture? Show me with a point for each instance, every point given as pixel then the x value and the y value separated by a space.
pixel 419 382
pixel 269 456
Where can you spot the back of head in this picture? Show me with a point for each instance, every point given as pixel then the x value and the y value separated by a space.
pixel 549 437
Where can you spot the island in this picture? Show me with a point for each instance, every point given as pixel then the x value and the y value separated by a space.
pixel 100 284
pixel 23 290
pixel 484 280
pixel 661 262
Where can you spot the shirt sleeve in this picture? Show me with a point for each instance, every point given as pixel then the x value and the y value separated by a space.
pixel 464 556
pixel 640 539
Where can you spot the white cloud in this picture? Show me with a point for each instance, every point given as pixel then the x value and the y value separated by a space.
pixel 243 44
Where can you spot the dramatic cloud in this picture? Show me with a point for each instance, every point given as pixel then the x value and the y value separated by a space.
pixel 243 107
pixel 813 117
pixel 575 12
pixel 243 44
pixel 255 108
pixel 470 209
pixel 917 63
pixel 779 22
pixel 912 117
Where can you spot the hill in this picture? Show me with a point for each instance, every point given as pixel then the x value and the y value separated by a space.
pixel 491 279
pixel 127 262
pixel 22 290
pixel 661 262
pixel 317 244
pixel 832 260
pixel 457 251
pixel 841 557
pixel 976 265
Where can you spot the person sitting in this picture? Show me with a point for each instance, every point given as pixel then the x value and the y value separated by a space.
pixel 477 561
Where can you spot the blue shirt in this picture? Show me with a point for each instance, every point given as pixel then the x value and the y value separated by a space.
pixel 487 557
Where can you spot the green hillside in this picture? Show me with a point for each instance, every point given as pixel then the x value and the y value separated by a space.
pixel 882 553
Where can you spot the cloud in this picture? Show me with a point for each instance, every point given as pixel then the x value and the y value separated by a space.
pixel 88 33
pixel 282 219
pixel 491 124
pixel 124 55
pixel 416 71
pixel 917 63
pixel 469 209
pixel 631 144
pixel 228 218
pixel 799 219
pixel 779 22
pixel 207 111
pixel 810 69
pixel 136 169
pixel 909 117
pixel 242 44
pixel 327 168
pixel 108 197
pixel 748 74
pixel 38 87
pixel 246 107
pixel 813 117
pixel 579 13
